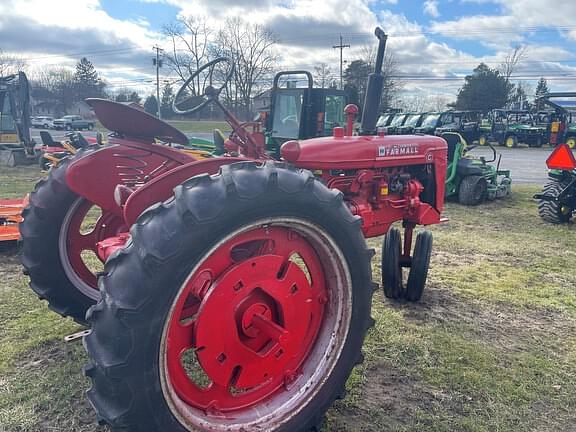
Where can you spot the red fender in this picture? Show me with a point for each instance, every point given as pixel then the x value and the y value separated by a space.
pixel 130 163
pixel 160 189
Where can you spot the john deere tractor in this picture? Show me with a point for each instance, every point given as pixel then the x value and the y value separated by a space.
pixel 510 127
pixel 562 125
pixel 465 123
pixel 557 202
pixel 472 180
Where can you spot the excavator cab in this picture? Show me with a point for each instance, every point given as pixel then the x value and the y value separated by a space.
pixel 16 145
pixel 301 112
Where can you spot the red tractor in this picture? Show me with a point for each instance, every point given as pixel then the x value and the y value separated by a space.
pixel 236 291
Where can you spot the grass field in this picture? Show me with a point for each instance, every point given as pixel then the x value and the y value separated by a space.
pixel 491 346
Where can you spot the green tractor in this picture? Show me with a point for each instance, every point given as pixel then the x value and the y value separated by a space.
pixel 412 122
pixel 295 112
pixel 301 112
pixel 472 180
pixel 465 123
pixel 386 118
pixel 510 127
pixel 563 119
pixel 397 121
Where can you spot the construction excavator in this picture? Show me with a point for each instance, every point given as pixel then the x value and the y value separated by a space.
pixel 16 144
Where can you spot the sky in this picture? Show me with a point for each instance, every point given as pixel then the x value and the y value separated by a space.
pixel 434 42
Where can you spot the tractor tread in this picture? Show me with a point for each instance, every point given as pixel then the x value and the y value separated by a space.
pixel 39 228
pixel 117 319
pixel 550 211
pixel 467 194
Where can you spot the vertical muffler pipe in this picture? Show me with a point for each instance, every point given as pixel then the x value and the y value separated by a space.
pixel 373 96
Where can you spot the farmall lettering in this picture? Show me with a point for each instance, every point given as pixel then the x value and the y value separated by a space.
pixel 398 150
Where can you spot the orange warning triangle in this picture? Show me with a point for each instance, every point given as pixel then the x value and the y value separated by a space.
pixel 561 158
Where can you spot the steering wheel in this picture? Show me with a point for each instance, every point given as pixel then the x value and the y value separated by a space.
pixel 185 103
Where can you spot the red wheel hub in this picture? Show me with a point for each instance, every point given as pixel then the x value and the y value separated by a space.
pixel 107 225
pixel 250 314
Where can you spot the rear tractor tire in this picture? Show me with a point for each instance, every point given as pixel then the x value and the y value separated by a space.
pixel 58 227
pixel 264 305
pixel 552 211
pixel 472 190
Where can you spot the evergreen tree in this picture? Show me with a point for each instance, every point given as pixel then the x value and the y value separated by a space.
pixel 87 81
pixel 484 90
pixel 519 97
pixel 134 97
pixel 166 101
pixel 541 90
pixel 151 105
pixel 355 80
pixel 121 97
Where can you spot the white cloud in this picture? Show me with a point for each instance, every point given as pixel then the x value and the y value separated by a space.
pixel 430 7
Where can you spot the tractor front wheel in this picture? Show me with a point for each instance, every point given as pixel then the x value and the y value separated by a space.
pixel 59 235
pixel 472 190
pixel 483 140
pixel 239 305
pixel 571 142
pixel 552 211
pixel 419 267
pixel 391 268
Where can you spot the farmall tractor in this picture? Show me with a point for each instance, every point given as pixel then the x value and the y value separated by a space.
pixel 237 290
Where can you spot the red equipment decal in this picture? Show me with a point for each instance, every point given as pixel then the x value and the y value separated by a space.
pixel 561 158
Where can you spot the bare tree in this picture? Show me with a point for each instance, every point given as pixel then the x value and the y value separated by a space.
pixel 439 102
pixel 10 63
pixel 516 56
pixel 510 64
pixel 56 87
pixel 323 75
pixel 190 38
pixel 251 49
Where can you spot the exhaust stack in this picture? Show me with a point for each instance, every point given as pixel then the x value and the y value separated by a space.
pixel 373 96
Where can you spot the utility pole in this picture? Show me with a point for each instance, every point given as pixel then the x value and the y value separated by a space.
pixel 341 47
pixel 158 63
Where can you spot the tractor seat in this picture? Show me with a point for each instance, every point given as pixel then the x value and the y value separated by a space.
pixel 452 140
pixel 48 141
pixel 219 140
pixel 467 167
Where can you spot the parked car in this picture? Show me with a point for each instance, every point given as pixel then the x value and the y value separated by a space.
pixel 73 122
pixel 43 122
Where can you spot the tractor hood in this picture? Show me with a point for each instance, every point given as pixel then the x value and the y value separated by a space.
pixel 526 127
pixel 364 152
